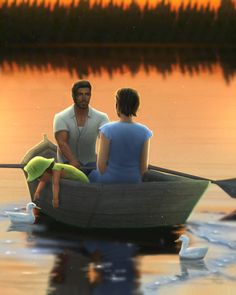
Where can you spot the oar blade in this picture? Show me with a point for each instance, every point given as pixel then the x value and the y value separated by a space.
pixel 227 185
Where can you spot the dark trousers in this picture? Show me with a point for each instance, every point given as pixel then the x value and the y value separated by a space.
pixel 88 168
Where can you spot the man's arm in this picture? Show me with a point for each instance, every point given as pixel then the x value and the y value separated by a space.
pixel 62 138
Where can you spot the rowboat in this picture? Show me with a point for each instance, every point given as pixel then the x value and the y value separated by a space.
pixel 161 200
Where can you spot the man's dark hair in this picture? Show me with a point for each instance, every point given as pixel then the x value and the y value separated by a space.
pixel 80 84
pixel 127 101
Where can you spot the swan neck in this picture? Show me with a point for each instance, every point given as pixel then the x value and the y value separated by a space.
pixel 30 212
pixel 184 244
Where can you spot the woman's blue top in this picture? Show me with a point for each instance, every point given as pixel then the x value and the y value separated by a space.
pixel 126 144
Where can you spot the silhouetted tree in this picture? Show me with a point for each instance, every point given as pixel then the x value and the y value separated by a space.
pixel 37 23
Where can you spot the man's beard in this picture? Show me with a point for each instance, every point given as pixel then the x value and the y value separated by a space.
pixel 82 105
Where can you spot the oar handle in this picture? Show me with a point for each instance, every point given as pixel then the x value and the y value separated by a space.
pixel 178 173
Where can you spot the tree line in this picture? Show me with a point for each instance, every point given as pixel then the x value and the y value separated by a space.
pixel 84 61
pixel 80 22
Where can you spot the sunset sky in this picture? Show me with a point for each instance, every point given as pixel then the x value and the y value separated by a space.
pixel 175 3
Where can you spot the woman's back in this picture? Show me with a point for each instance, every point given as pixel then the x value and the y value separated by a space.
pixel 126 144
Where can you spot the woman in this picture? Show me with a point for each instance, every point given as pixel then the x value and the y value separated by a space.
pixel 46 170
pixel 124 145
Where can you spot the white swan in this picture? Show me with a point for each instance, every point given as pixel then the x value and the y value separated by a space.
pixel 190 253
pixel 21 217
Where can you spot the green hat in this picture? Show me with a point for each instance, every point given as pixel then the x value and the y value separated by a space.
pixel 37 166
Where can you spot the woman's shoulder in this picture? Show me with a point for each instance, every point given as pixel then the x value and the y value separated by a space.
pixel 110 129
pixel 141 126
pixel 109 125
pixel 143 130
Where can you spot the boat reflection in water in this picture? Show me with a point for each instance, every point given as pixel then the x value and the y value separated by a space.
pixel 99 262
pixel 96 267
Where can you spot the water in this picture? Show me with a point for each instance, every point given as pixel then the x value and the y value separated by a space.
pixel 188 100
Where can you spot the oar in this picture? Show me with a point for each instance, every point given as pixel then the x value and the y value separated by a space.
pixel 12 166
pixel 227 185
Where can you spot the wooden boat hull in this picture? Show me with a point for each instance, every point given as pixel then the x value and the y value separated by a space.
pixel 119 206
pixel 161 200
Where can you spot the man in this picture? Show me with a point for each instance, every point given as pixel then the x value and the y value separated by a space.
pixel 76 129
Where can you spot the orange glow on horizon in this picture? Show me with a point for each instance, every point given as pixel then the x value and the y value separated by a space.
pixel 174 3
